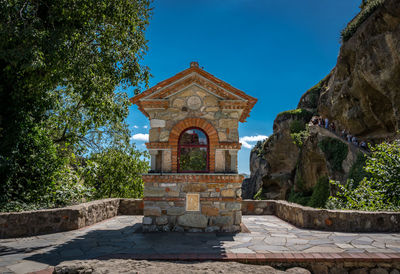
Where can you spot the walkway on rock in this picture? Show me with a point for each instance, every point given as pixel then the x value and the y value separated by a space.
pixel 120 237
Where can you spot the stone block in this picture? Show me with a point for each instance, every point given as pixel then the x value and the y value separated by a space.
pixel 195 230
pixel 193 187
pixel 211 101
pixel 209 211
pixel 178 229
pixel 212 229
pixel 162 220
pixel 239 193
pixel 238 217
pixel 228 193
pixel 147 220
pixel 152 211
pixel 215 194
pixel 222 221
pixel 154 135
pixel 154 123
pixel 193 220
pixel 228 123
pixel 153 191
pixel 233 206
pixel 174 211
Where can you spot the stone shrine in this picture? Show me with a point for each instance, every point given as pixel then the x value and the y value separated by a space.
pixel 193 184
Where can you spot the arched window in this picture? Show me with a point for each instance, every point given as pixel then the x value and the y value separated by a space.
pixel 193 151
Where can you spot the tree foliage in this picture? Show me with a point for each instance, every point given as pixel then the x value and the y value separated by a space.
pixel 63 66
pixel 381 189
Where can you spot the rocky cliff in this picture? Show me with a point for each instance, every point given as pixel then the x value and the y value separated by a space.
pixel 361 95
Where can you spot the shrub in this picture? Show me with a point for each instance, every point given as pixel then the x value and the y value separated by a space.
pixel 357 172
pixel 299 197
pixel 379 191
pixel 296 126
pixel 335 151
pixel 320 193
pixel 367 9
pixel 300 137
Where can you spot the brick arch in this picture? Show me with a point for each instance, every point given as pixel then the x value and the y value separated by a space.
pixel 187 123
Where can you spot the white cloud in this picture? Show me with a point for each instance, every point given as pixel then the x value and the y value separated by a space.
pixel 145 126
pixel 246 139
pixel 140 137
pixel 135 126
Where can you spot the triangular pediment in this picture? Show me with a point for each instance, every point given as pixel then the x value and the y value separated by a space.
pixel 195 76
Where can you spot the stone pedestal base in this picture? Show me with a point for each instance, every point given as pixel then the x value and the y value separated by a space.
pixel 193 203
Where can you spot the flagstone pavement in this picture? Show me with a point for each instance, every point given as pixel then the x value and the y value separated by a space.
pixel 122 235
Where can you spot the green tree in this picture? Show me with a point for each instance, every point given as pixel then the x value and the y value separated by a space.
pixel 116 172
pixel 63 66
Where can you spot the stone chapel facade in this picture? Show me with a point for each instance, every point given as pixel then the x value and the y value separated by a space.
pixel 193 184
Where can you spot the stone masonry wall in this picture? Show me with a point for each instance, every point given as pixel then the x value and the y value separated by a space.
pixel 322 219
pixel 165 203
pixel 29 223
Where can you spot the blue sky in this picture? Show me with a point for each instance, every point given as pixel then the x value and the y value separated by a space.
pixel 273 50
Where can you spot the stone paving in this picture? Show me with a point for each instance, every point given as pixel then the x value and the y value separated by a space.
pixel 122 235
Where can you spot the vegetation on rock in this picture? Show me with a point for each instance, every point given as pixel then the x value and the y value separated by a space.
pixel 315 197
pixel 335 151
pixel 379 191
pixel 367 8
pixel 63 65
pixel 320 193
pixel 357 171
pixel 297 114
pixel 299 132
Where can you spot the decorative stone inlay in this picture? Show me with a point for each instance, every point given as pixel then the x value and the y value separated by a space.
pixel 194 102
pixel 192 202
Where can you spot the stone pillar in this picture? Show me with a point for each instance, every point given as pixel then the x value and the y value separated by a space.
pixel 153 154
pixel 233 154
pixel 220 160
pixel 166 160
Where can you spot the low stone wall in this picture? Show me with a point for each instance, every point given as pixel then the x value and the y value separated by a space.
pixel 130 207
pixel 29 223
pixel 322 219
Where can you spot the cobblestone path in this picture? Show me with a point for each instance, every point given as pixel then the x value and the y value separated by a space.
pixel 122 235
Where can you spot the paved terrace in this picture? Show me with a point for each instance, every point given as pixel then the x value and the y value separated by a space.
pixel 120 237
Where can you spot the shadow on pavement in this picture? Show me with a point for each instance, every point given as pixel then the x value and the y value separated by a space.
pixel 129 242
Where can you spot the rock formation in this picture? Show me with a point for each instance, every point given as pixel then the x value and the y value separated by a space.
pixel 361 94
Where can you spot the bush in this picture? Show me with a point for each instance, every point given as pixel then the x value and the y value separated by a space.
pixel 299 197
pixel 367 9
pixel 320 193
pixel 116 172
pixel 335 151
pixel 296 126
pixel 379 191
pixel 357 172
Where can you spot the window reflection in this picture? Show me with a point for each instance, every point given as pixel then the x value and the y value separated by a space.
pixel 193 151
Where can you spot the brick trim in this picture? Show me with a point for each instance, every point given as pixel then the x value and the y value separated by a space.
pixel 204 125
pixel 223 199
pixel 184 178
